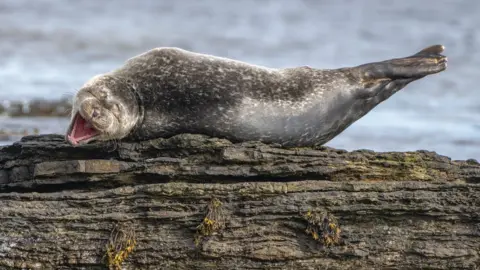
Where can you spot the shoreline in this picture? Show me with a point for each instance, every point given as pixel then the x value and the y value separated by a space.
pixel 36 108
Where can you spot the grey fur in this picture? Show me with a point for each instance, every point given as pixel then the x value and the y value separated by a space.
pixel 177 91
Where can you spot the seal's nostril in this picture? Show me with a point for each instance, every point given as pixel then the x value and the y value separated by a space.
pixel 95 113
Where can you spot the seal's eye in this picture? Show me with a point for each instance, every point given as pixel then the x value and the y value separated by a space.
pixel 115 108
pixel 103 94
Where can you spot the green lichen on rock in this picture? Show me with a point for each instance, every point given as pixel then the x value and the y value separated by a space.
pixel 393 166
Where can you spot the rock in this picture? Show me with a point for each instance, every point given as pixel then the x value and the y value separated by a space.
pixel 194 202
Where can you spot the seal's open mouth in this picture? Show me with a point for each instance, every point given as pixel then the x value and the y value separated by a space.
pixel 81 131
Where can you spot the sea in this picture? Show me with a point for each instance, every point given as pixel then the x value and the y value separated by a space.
pixel 49 48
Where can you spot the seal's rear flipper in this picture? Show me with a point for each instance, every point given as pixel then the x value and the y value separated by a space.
pixel 435 49
pixel 425 62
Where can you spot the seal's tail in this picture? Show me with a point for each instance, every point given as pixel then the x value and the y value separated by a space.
pixel 425 62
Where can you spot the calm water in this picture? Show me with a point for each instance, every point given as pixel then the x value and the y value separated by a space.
pixel 49 48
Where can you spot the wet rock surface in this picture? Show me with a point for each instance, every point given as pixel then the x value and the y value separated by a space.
pixel 253 202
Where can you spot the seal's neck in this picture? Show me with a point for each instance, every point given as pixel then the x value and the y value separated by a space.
pixel 129 91
pixel 138 108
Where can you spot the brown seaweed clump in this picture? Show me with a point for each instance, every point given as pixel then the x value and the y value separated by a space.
pixel 323 227
pixel 120 245
pixel 212 222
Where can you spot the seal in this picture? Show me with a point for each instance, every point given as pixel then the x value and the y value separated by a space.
pixel 168 91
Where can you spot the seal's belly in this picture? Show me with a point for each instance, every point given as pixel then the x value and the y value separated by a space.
pixel 311 121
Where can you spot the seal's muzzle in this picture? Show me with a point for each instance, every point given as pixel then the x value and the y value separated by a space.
pixel 81 131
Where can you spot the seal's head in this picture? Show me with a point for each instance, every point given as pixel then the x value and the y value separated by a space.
pixel 105 108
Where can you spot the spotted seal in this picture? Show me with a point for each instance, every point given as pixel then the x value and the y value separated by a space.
pixel 167 91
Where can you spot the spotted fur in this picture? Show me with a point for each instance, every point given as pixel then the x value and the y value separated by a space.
pixel 167 91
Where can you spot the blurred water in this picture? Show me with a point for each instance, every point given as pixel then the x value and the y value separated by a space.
pixel 49 48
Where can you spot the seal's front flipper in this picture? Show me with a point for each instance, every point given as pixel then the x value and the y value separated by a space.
pixel 427 61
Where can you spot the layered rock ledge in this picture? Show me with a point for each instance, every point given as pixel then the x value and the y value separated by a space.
pixel 194 202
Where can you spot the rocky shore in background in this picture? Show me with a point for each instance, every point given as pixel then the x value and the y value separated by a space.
pixel 6 134
pixel 37 108
pixel 31 109
pixel 195 202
